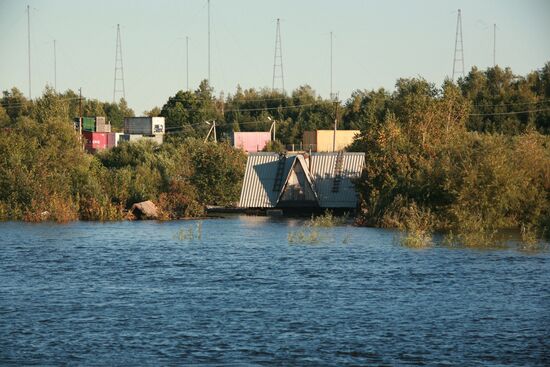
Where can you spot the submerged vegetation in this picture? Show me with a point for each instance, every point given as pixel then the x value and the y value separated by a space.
pixel 190 233
pixel 314 230
pixel 464 158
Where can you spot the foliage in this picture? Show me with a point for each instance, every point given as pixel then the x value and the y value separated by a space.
pixel 304 236
pixel 327 219
pixel 190 233
pixel 464 158
pixel 274 146
pixel 425 171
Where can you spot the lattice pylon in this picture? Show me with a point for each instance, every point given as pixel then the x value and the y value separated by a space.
pixel 119 70
pixel 459 49
pixel 278 60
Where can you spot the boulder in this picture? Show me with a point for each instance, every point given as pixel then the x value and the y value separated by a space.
pixel 144 210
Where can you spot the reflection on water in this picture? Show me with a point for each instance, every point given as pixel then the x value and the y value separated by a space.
pixel 134 293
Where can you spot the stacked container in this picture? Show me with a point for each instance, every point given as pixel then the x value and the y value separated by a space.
pixel 94 141
pixel 149 126
pixel 96 133
pixel 101 126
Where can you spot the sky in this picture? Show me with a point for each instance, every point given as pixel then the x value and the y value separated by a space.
pixel 374 43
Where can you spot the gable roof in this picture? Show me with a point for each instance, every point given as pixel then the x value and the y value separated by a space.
pixel 259 179
pixel 261 171
pixel 323 173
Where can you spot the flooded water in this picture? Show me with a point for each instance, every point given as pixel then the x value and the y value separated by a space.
pixel 147 293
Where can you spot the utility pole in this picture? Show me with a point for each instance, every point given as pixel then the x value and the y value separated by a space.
pixel 331 96
pixel 273 127
pixel 212 128
pixel 208 42
pixel 118 59
pixel 80 114
pixel 187 61
pixel 54 67
pixel 29 46
pixel 459 48
pixel 278 59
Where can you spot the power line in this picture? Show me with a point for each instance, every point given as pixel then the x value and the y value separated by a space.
pixel 508 113
pixel 512 103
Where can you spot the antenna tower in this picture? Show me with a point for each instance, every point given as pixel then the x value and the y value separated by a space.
pixel 459 49
pixel 119 71
pixel 278 60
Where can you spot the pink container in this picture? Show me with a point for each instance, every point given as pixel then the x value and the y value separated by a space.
pixel 251 141
pixel 94 141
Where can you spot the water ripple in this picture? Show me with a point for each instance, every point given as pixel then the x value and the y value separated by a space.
pixel 132 293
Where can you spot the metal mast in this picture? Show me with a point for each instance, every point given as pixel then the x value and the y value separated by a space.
pixel 494 45
pixel 331 94
pixel 208 42
pixel 29 46
pixel 54 67
pixel 187 61
pixel 459 49
pixel 119 71
pixel 278 59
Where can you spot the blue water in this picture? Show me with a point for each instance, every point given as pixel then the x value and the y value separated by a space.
pixel 139 293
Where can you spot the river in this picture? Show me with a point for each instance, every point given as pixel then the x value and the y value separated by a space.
pixel 150 293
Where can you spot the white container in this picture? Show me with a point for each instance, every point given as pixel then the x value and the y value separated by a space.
pixel 144 125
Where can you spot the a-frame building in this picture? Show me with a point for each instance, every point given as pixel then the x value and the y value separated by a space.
pixel 319 180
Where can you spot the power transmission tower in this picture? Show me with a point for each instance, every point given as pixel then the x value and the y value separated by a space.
pixel 29 45
pixel 278 59
pixel 459 49
pixel 119 71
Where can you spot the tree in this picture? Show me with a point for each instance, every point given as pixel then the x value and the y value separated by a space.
pixel 186 111
pixel 15 104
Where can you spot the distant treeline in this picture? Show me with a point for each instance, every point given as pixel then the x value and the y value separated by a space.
pixel 467 157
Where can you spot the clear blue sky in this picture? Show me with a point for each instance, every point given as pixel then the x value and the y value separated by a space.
pixel 375 42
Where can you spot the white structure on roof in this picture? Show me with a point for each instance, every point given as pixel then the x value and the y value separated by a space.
pixel 322 180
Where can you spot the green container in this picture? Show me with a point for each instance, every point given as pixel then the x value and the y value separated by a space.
pixel 88 124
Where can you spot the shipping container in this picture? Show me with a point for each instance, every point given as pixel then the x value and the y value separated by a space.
pixel 135 137
pixel 118 137
pixel 130 137
pixel 94 141
pixel 88 124
pixel 111 140
pixel 323 140
pixel 251 141
pixel 101 126
pixel 144 125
